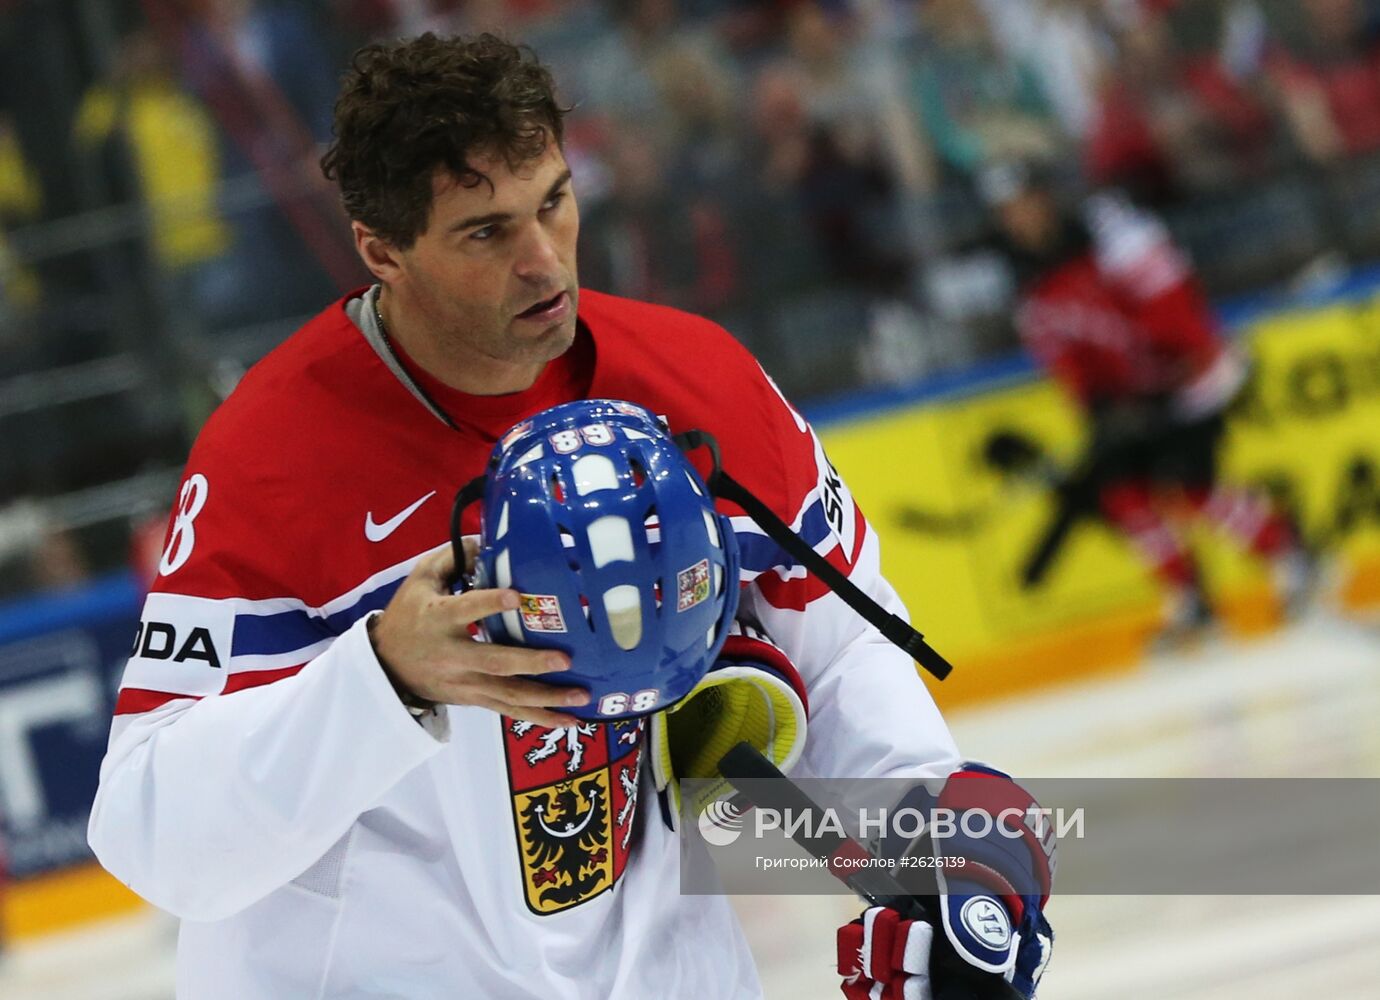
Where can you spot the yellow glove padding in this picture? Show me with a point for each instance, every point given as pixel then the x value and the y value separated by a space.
pixel 751 693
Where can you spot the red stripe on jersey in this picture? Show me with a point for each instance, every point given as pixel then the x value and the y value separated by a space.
pixel 859 533
pixel 135 701
pixel 257 678
pixel 794 594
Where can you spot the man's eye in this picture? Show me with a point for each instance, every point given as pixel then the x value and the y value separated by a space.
pixel 553 201
pixel 484 233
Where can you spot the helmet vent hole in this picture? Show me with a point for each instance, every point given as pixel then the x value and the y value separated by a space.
pixel 656 592
pixel 718 580
pixel 652 524
pixel 694 485
pixel 709 636
pixel 610 540
pixel 623 605
pixel 568 544
pixel 639 474
pixel 711 526
pixel 584 606
pixel 593 473
pixel 502 523
pixel 557 490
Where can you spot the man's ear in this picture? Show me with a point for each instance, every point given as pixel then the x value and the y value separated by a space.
pixel 383 260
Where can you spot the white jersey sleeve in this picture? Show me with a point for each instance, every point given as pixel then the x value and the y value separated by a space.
pixel 871 715
pixel 231 769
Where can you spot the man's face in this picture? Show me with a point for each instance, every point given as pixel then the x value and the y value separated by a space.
pixel 1030 220
pixel 494 272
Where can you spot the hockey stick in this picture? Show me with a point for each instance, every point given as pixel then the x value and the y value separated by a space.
pixel 1056 532
pixel 762 784
pixel 1024 467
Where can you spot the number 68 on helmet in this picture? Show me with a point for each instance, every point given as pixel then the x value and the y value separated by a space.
pixel 595 516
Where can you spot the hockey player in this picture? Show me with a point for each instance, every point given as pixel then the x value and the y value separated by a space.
pixel 1110 308
pixel 317 767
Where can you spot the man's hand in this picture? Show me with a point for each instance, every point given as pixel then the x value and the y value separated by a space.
pixel 423 641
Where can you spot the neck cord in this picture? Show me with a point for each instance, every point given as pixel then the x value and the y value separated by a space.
pixel 416 386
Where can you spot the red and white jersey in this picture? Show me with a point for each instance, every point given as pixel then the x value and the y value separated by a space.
pixel 264 783
pixel 1125 318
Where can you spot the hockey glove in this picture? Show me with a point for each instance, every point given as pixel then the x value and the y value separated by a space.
pixel 752 693
pixel 990 902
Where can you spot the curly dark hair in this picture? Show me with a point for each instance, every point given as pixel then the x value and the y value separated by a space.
pixel 409 107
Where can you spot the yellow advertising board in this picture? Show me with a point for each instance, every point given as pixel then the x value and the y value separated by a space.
pixel 956 533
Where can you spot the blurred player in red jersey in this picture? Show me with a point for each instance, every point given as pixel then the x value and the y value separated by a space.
pixel 1109 307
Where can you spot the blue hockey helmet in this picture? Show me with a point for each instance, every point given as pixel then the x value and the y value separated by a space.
pixel 595 516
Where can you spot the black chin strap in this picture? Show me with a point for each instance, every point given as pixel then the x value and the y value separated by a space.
pixel 896 629
pixel 468 494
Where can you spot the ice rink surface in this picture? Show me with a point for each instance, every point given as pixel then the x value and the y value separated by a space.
pixel 1302 702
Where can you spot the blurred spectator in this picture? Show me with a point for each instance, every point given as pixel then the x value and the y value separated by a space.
pixel 264 71
pixel 1068 45
pixel 21 201
pixel 148 530
pixel 57 561
pixel 1171 122
pixel 374 18
pixel 1329 81
pixel 173 148
pixel 782 252
pixel 640 241
pixel 41 76
pixel 36 552
pixel 978 103
pixel 614 74
pixel 275 50
pixel 832 124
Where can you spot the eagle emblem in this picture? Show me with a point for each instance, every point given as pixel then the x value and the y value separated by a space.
pixel 574 792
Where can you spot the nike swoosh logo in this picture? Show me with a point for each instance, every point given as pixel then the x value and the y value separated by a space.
pixel 378 532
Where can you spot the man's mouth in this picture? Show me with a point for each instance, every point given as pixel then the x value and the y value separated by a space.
pixel 544 306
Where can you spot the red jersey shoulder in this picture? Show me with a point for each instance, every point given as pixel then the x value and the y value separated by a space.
pixel 285 465
pixel 696 374
pixel 659 342
pixel 293 389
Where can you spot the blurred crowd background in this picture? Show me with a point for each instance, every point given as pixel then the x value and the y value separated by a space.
pixel 803 171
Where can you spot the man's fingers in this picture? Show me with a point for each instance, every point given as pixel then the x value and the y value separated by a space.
pixel 473 605
pixel 508 661
pixel 518 692
pixel 540 716
pixel 437 568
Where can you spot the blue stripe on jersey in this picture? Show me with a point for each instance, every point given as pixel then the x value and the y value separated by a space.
pixel 759 553
pixel 269 635
pixel 286 631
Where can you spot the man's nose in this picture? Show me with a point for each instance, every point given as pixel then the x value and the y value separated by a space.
pixel 537 258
